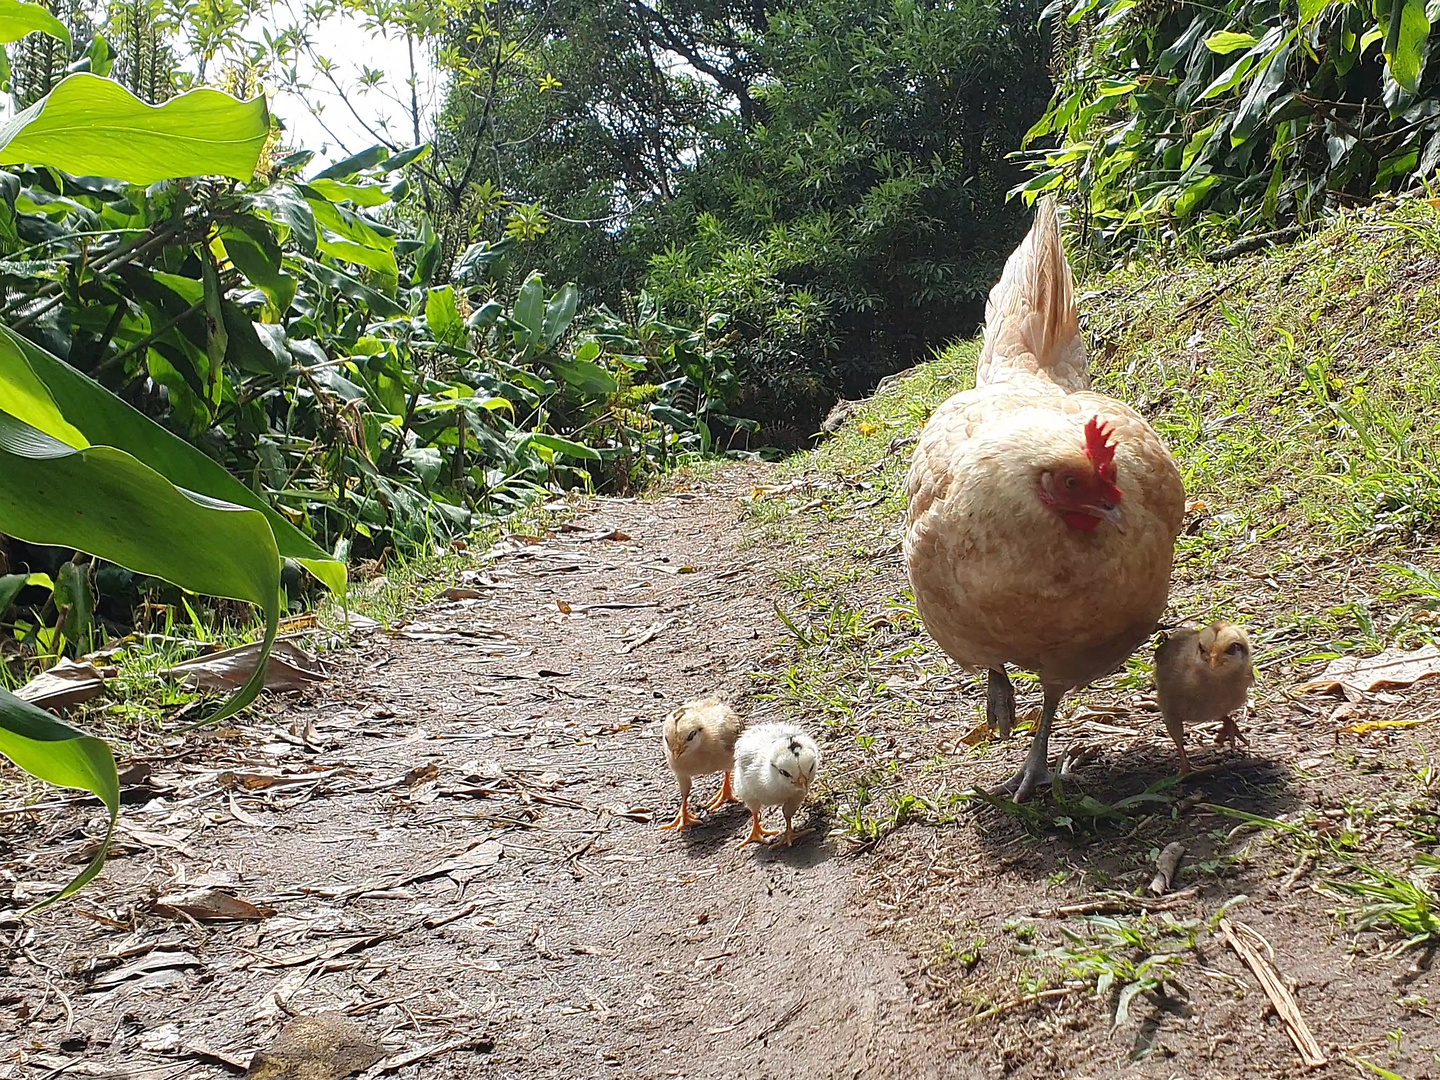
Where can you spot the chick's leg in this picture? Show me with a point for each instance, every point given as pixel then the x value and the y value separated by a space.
pixel 1177 736
pixel 685 817
pixel 1036 770
pixel 791 835
pixel 725 795
pixel 757 832
pixel 1000 703
pixel 1229 732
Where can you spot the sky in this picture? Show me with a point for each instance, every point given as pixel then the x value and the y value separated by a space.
pixel 324 123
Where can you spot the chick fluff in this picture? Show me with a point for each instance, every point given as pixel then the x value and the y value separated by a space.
pixel 1203 675
pixel 699 739
pixel 775 765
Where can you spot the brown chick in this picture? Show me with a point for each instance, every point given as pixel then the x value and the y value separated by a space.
pixel 700 738
pixel 1203 675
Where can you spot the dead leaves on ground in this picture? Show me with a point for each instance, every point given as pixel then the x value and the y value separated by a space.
pixel 1356 677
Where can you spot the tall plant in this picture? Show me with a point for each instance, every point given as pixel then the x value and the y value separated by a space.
pixel 1238 116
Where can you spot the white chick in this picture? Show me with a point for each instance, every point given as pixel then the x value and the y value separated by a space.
pixel 699 739
pixel 775 765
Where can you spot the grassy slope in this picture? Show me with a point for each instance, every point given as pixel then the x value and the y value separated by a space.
pixel 1300 393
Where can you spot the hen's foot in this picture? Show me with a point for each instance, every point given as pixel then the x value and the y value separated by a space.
pixel 1000 703
pixel 726 794
pixel 1034 776
pixel 683 820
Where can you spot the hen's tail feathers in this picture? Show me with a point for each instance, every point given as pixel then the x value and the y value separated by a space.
pixel 1032 328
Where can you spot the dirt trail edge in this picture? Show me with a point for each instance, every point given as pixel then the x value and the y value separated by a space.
pixel 458 836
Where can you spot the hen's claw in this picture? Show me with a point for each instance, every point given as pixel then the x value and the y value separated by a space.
pixel 1025 782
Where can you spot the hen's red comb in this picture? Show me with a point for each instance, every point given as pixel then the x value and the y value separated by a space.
pixel 1098 447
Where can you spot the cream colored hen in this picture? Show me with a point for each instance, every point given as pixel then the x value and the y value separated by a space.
pixel 1042 516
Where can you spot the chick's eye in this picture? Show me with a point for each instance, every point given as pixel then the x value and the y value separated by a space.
pixel 692 735
pixel 1238 649
pixel 783 773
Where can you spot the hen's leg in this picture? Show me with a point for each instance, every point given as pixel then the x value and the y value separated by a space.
pixel 1036 770
pixel 725 795
pixel 1000 703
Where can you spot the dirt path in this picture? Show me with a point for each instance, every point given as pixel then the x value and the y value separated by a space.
pixel 455 833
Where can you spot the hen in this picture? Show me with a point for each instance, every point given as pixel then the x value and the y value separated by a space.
pixel 1042 516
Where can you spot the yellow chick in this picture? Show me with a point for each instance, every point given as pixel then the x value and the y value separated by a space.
pixel 1200 676
pixel 700 738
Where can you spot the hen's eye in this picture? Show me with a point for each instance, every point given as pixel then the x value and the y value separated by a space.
pixel 1071 483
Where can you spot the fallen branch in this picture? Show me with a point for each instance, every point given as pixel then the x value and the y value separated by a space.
pixel 1247 945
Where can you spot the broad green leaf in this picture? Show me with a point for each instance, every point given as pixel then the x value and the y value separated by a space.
pixel 18 19
pixel 555 444
pixel 427 255
pixel 61 755
pixel 89 126
pixel 254 252
pixel 443 317
pixel 1264 84
pixel 1310 11
pixel 1191 197
pixel 11 586
pixel 1228 41
pixel 102 501
pixel 101 418
pixel 559 313
pixel 529 311
pixel 588 378
pixel 25 396
pixel 284 205
pixel 1405 38
pixel 366 159
pixel 359 194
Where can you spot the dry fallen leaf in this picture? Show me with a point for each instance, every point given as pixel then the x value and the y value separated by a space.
pixel 326 1046
pixel 209 904
pixel 290 668
pixel 1362 674
pixel 67 683
pixel 565 608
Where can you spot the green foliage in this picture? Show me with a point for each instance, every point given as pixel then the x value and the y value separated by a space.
pixel 1237 117
pixel 57 753
pixel 862 220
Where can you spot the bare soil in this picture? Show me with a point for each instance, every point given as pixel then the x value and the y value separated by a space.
pixel 456 838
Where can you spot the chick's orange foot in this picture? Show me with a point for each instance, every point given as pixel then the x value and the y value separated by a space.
pixel 725 795
pixel 1229 733
pixel 758 833
pixel 684 819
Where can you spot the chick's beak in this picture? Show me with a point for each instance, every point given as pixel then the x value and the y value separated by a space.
pixel 1215 657
pixel 802 781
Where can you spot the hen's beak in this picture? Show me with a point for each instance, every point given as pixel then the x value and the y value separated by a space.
pixel 1110 512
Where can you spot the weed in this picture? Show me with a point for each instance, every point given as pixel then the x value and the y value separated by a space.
pixel 1124 958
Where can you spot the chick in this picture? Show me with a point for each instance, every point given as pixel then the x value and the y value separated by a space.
pixel 700 738
pixel 775 765
pixel 1200 676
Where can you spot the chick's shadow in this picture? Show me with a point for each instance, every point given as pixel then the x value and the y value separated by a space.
pixel 722 831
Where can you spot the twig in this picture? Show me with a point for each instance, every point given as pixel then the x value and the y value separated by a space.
pixel 1253 243
pixel 649 635
pixel 996 1010
pixel 483 1043
pixel 1120 904
pixel 1247 943
pixel 1165 868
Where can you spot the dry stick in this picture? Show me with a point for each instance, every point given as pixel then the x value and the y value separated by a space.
pixel 1239 936
pixel 1165 868
pixel 996 1010
pixel 1122 904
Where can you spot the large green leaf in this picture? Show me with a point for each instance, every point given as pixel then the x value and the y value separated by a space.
pixel 60 755
pixel 105 502
pixel 103 419
pixel 18 19
pixel 89 126
pixel 1406 27
pixel 529 313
